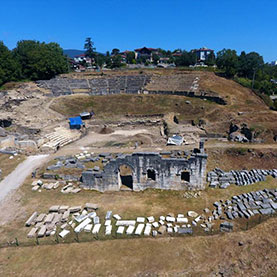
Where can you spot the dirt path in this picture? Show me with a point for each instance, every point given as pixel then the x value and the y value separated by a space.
pixel 17 177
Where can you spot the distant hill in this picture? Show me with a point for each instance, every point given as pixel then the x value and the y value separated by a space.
pixel 73 52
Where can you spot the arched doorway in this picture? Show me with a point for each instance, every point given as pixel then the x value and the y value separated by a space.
pixel 151 174
pixel 125 177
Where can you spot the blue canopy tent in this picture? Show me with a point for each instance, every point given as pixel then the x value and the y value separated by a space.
pixel 75 122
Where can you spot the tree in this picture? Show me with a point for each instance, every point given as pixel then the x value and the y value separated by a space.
pixel 186 59
pixel 9 68
pixel 115 52
pixel 40 60
pixel 130 57
pixel 90 49
pixel 210 60
pixel 155 58
pixel 249 64
pixel 227 60
pixel 100 60
pixel 116 61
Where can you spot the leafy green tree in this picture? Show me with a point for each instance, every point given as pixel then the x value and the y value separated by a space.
pixel 130 57
pixel 210 60
pixel 90 49
pixel 40 60
pixel 155 58
pixel 186 59
pixel 227 60
pixel 100 60
pixel 115 52
pixel 116 61
pixel 249 64
pixel 9 68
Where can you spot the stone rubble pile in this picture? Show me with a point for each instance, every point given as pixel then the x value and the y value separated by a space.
pixel 38 185
pixel 63 220
pixel 246 205
pixel 222 179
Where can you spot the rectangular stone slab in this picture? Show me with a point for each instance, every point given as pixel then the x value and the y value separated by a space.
pixel 42 231
pixel 32 233
pixel 139 229
pixel 96 228
pixel 130 230
pixel 31 219
pixel 125 222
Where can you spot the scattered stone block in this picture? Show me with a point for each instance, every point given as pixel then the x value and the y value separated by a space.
pixel 125 222
pixel 162 230
pixel 75 209
pixel 88 228
pixel 108 222
pixel 54 209
pixel 185 230
pixel 192 214
pixel 96 228
pixel 139 229
pixel 82 225
pixel 64 233
pixel 32 233
pixel 108 215
pixel 151 219
pixel 147 230
pixel 108 230
pixel 31 219
pixel 41 231
pixel 35 188
pixel 182 220
pixel 117 217
pixel 140 219
pixel 120 230
pixel 130 230
pixel 40 218
pixel 226 226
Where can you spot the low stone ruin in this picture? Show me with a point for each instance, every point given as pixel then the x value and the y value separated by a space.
pixel 222 179
pixel 150 170
pixel 246 205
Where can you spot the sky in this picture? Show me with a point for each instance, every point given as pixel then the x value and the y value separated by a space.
pixel 249 25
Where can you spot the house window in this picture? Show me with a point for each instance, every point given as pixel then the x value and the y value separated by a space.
pixel 151 174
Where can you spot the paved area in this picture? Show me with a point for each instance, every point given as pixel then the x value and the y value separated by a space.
pixel 22 171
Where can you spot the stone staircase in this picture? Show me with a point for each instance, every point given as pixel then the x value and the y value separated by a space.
pixel 59 138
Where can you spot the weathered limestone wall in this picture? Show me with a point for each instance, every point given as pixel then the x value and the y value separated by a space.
pixel 167 172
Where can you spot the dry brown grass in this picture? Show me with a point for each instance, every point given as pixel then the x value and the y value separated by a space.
pixel 186 256
pixel 8 165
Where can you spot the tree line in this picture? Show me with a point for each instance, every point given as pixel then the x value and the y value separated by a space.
pixel 31 60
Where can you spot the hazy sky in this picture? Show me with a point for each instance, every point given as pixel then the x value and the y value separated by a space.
pixel 249 25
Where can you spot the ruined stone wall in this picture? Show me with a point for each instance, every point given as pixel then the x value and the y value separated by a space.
pixel 167 172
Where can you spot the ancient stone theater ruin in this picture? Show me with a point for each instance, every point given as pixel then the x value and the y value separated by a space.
pixel 151 170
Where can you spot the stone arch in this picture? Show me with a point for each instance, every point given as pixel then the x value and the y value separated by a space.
pixel 125 173
pixel 151 174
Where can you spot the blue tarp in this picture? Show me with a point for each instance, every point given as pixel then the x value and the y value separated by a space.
pixel 75 122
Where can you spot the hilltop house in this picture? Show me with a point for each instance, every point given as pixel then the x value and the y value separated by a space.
pixel 146 53
pixel 202 53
